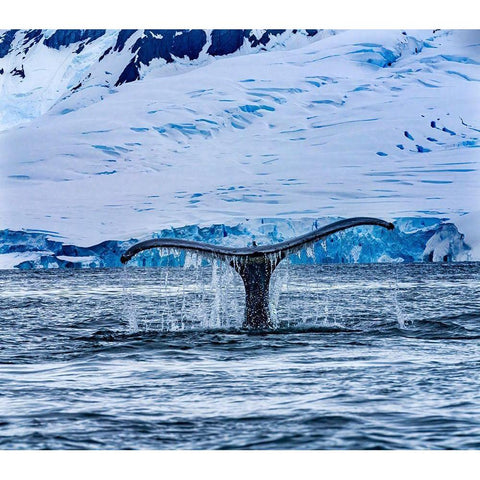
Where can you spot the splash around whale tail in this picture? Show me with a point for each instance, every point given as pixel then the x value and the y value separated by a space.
pixel 255 264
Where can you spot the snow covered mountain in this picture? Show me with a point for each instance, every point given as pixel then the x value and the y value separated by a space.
pixel 110 135
pixel 40 68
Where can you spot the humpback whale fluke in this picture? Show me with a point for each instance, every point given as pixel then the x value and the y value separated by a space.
pixel 255 264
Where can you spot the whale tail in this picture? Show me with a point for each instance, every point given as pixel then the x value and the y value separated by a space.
pixel 255 264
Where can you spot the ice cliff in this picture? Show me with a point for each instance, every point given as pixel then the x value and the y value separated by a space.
pixel 413 240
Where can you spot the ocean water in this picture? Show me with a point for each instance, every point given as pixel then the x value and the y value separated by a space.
pixel 362 357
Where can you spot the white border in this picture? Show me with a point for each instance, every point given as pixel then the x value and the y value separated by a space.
pixel 239 14
pixel 232 465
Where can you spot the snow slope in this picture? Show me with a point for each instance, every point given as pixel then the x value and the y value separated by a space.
pixel 367 123
pixel 40 68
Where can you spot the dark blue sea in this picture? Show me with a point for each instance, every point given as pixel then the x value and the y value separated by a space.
pixel 362 357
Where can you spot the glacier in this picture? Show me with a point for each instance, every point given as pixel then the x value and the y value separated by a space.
pixel 113 136
pixel 413 240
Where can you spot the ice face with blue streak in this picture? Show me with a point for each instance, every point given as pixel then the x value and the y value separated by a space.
pixel 413 240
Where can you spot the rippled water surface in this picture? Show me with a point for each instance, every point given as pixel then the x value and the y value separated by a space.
pixel 363 356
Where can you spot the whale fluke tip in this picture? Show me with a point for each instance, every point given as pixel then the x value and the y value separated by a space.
pixel 390 226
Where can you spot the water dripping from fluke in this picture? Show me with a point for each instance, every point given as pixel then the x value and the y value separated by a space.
pixel 129 312
pixel 404 323
pixel 255 265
